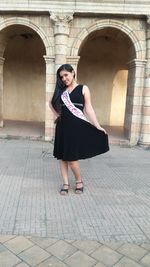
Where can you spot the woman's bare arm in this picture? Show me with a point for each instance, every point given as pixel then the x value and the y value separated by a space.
pixel 56 115
pixel 88 109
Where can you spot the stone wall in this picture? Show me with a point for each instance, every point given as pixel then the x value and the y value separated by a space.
pixel 80 6
pixel 117 35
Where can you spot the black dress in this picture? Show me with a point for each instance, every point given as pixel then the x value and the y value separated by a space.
pixel 75 138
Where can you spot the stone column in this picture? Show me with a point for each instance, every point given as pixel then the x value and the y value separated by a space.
pixel 145 126
pixel 73 61
pixel 61 33
pixel 1 91
pixel 134 100
pixel 50 84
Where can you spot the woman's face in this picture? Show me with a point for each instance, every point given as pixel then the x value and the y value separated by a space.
pixel 67 77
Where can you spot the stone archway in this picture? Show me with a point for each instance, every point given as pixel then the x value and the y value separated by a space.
pixel 99 25
pixel 24 71
pixel 122 74
pixel 26 22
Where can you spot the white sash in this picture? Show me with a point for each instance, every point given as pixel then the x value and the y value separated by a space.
pixel 75 111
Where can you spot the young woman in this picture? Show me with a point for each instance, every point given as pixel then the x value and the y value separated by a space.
pixel 78 134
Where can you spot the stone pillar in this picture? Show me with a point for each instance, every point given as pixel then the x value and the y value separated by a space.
pixel 73 61
pixel 50 85
pixel 134 100
pixel 1 91
pixel 61 33
pixel 145 126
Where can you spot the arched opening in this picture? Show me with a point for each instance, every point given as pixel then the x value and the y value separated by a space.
pixel 103 66
pixel 23 82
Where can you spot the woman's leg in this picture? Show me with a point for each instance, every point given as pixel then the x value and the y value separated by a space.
pixel 75 167
pixel 64 173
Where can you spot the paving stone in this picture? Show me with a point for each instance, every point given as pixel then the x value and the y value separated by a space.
pixel 146 260
pixel 18 244
pixel 22 264
pixel 132 251
pixel 106 255
pixel 100 265
pixel 113 245
pixel 43 242
pixel 80 259
pixel 146 246
pixel 113 197
pixel 34 255
pixel 61 249
pixel 7 259
pixel 87 246
pixel 126 262
pixel 2 248
pixel 4 238
pixel 54 262
pixel 69 241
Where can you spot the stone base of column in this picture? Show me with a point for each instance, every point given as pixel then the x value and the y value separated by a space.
pixel 49 134
pixel 144 140
pixel 145 131
pixel 133 140
pixel 48 139
pixel 1 124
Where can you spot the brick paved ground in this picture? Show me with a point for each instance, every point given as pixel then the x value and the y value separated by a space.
pixel 109 225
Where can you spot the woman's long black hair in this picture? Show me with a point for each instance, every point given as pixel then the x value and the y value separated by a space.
pixel 60 87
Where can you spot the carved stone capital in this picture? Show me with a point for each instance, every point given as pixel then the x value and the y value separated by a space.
pixel 61 18
pixel 73 60
pixel 61 22
pixel 136 63
pixel 2 60
pixel 49 59
pixel 148 20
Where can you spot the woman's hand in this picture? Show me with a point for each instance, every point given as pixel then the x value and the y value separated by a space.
pixel 102 129
pixel 57 119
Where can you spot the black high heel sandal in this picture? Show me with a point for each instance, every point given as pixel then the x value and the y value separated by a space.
pixel 80 189
pixel 64 191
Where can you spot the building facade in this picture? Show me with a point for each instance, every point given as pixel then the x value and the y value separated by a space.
pixel 108 44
